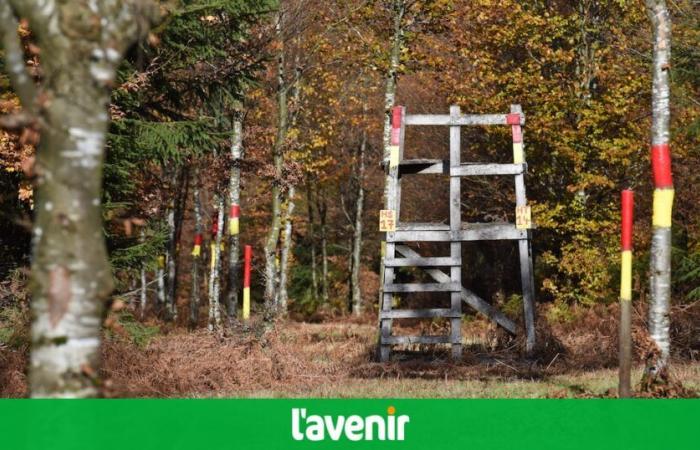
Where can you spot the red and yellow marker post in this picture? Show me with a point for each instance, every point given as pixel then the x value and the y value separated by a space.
pixel 514 121
pixel 247 256
pixel 663 186
pixel 626 294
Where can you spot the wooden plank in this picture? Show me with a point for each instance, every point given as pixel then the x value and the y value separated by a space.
pixel 419 313
pixel 467 296
pixel 455 226
pixel 423 262
pixel 393 340
pixel 422 287
pixel 423 167
pixel 467 170
pixel 423 226
pixel 527 279
pixel 472 232
pixel 461 120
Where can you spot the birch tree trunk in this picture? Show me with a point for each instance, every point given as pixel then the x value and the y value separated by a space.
pixel 196 254
pixel 215 269
pixel 660 264
pixel 82 44
pixel 234 201
pixel 356 291
pixel 143 291
pixel 399 7
pixel 278 161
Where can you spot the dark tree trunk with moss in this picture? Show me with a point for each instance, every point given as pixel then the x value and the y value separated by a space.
pixel 82 44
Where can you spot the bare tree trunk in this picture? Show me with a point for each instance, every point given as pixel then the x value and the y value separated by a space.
pixel 196 254
pixel 278 161
pixel 322 210
pixel 234 201
pixel 70 270
pixel 399 7
pixel 143 290
pixel 286 248
pixel 175 215
pixel 356 291
pixel 312 240
pixel 660 264
pixel 215 269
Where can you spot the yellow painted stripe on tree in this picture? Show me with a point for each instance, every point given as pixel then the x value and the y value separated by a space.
pixel 518 154
pixel 626 276
pixel 213 254
pixel 246 303
pixel 233 227
pixel 161 261
pixel 197 251
pixel 663 208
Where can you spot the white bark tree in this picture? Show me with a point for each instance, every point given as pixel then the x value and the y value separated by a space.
pixel 82 44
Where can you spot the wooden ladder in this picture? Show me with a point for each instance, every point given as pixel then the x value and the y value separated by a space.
pixel 396 254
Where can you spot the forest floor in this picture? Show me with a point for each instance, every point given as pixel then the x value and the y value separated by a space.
pixel 335 358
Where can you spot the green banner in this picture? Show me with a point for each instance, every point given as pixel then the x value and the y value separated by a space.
pixel 352 424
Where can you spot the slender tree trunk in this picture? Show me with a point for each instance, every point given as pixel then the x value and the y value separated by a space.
pixel 660 264
pixel 215 269
pixel 196 254
pixel 71 277
pixel 357 232
pixel 322 210
pixel 175 216
pixel 278 161
pixel 312 240
pixel 143 291
pixel 397 41
pixel 286 248
pixel 234 201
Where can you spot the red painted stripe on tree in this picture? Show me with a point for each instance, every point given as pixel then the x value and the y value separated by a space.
pixel 513 119
pixel 661 165
pixel 198 239
pixel 247 256
pixel 235 211
pixel 627 218
pixel 214 228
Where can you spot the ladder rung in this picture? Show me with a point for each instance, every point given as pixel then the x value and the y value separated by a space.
pixel 422 262
pixel 419 313
pixel 416 340
pixel 469 232
pixel 466 170
pixel 422 226
pixel 423 287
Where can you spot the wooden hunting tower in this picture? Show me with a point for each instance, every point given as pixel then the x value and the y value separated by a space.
pixel 446 271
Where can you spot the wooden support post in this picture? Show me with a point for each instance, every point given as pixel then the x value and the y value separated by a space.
pixel 624 389
pixel 247 256
pixel 391 204
pixel 455 227
pixel 525 249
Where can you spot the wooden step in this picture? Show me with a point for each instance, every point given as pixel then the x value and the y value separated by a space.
pixel 422 287
pixel 418 313
pixel 469 232
pixel 468 170
pixel 393 340
pixel 423 262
